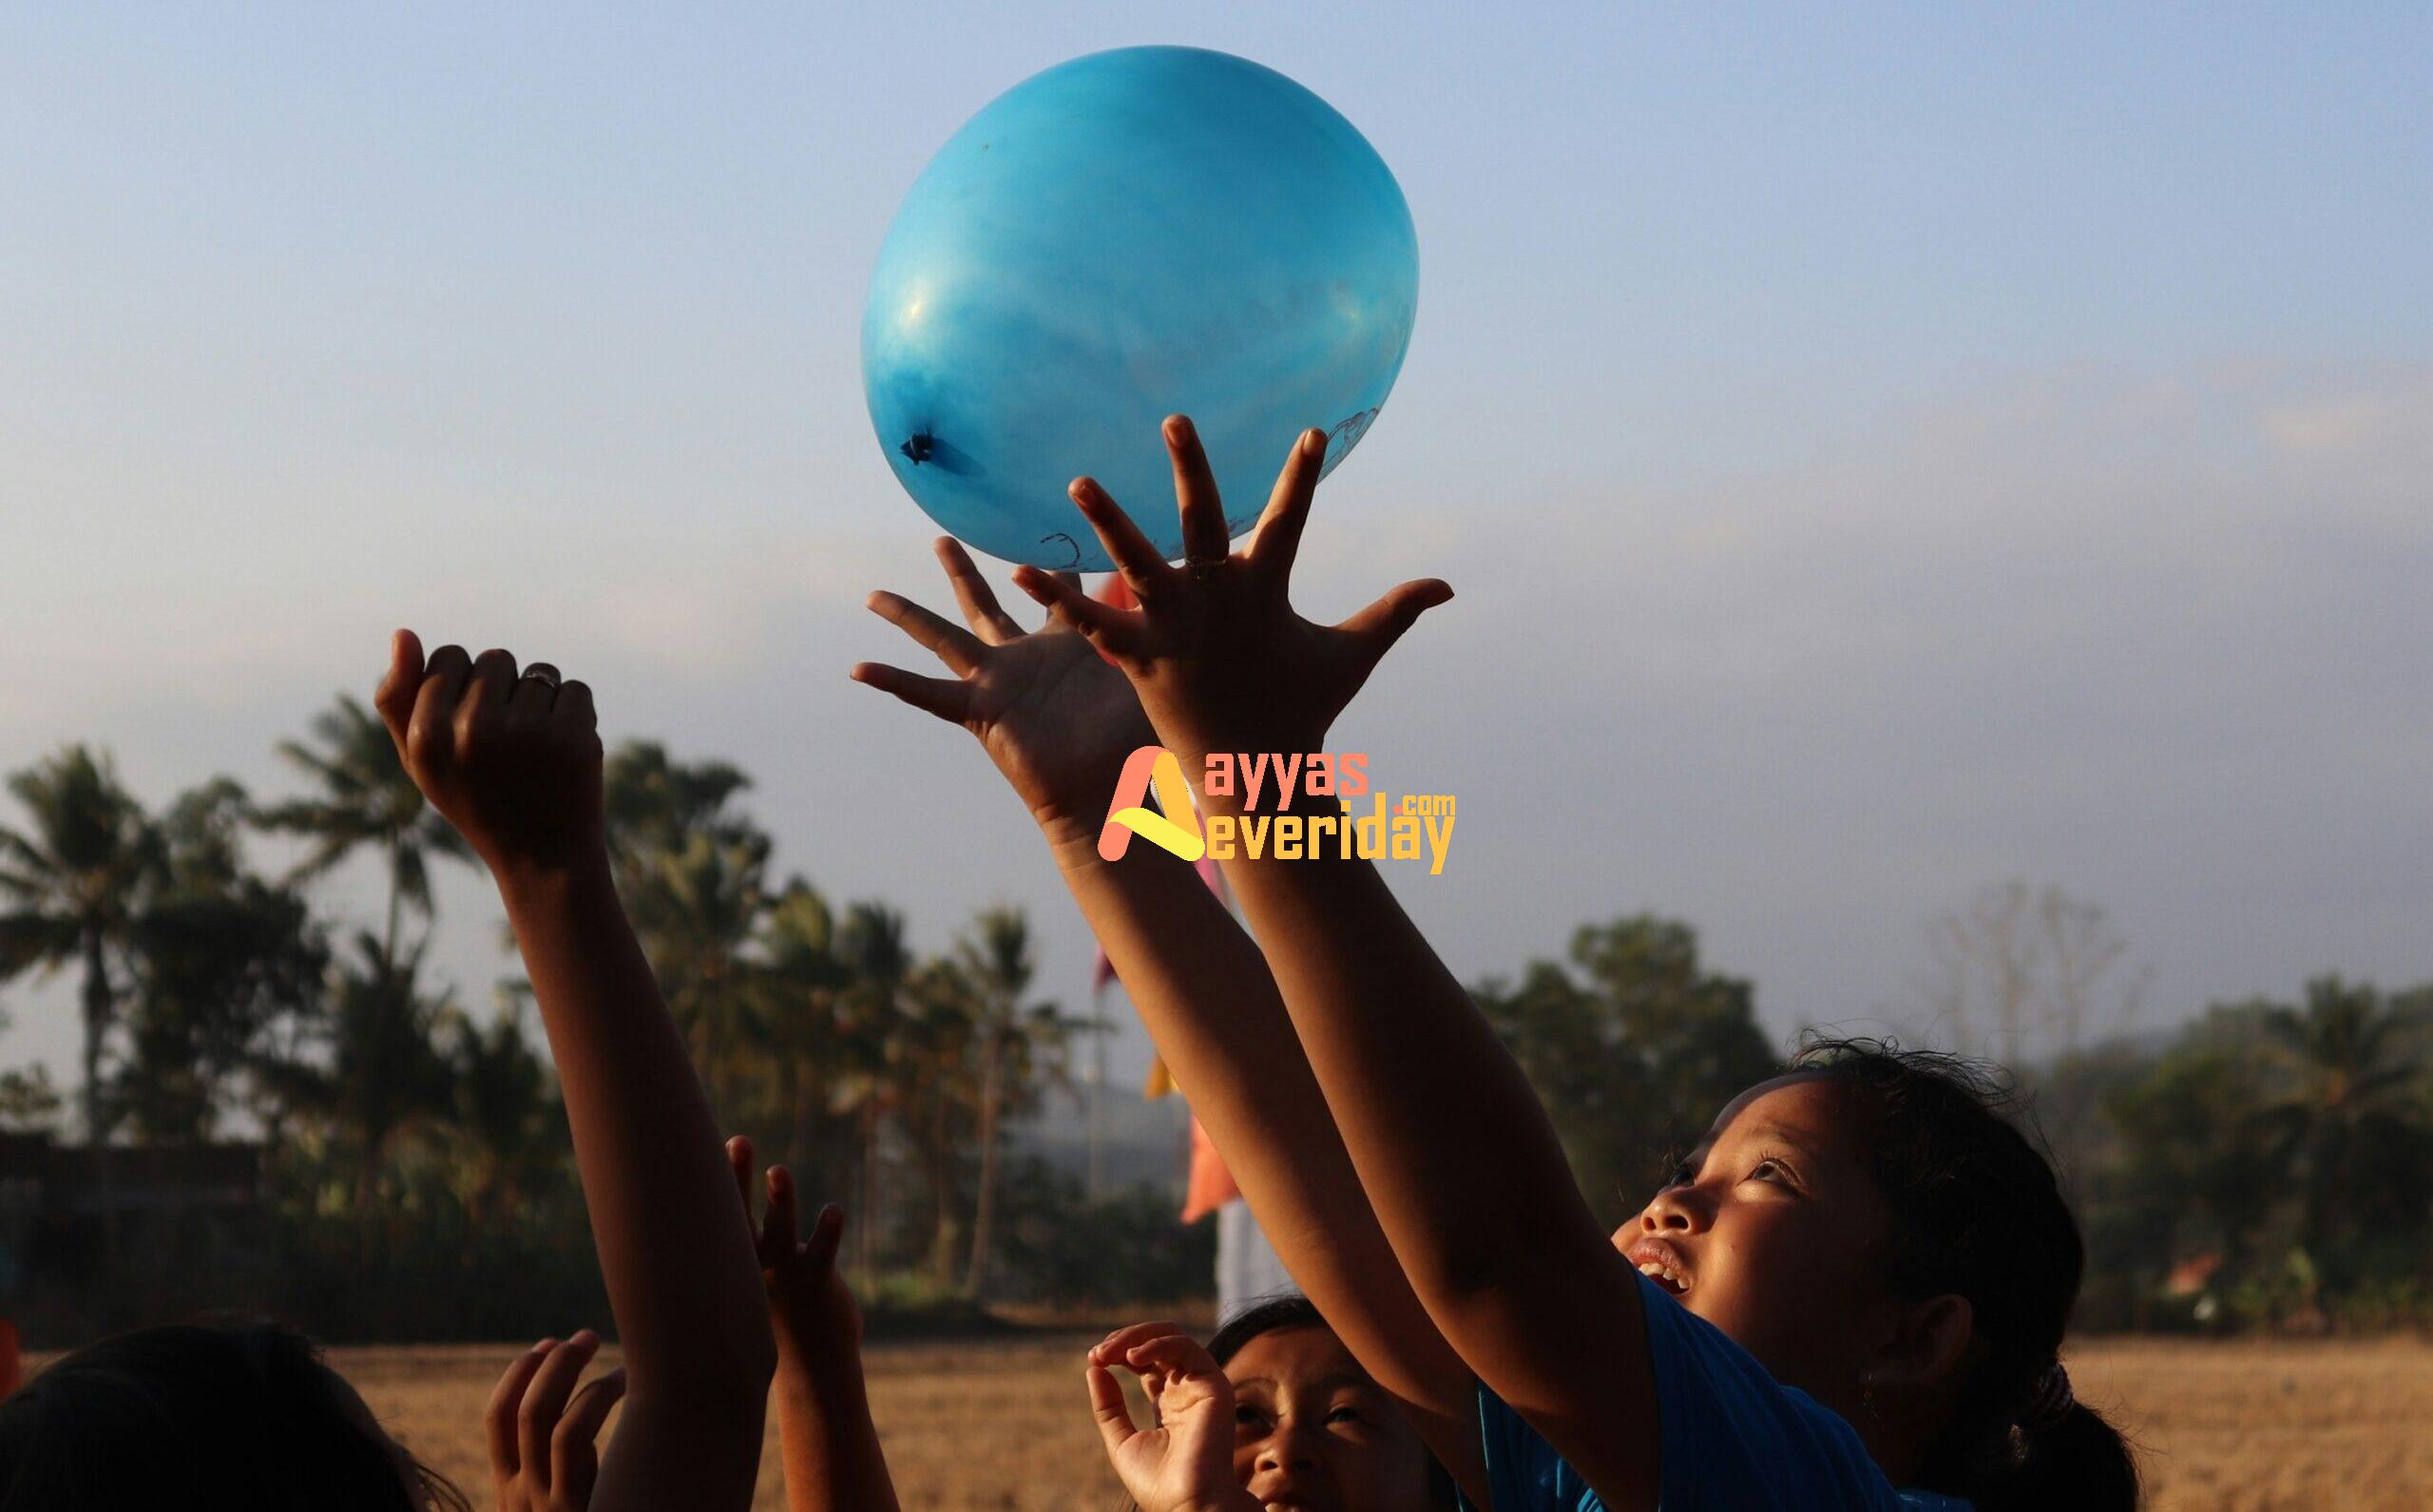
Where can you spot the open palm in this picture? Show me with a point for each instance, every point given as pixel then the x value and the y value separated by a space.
pixel 1216 652
pixel 1054 717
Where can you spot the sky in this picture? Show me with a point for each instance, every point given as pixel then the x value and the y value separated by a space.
pixel 1878 452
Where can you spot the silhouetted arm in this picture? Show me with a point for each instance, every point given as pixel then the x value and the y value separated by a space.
pixel 514 763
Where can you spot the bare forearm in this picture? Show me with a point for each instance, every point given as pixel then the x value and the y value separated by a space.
pixel 1461 1166
pixel 1452 1147
pixel 829 1443
pixel 675 1253
pixel 1204 991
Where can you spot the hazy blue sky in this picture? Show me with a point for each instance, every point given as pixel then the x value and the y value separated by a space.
pixel 1879 452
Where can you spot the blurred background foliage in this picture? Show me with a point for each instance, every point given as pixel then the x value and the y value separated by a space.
pixel 277 1110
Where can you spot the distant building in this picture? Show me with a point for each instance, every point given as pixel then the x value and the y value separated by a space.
pixel 62 1205
pixel 41 1176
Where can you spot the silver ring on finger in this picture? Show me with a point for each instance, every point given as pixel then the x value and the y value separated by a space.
pixel 542 676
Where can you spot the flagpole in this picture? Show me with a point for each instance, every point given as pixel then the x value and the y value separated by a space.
pixel 1097 1090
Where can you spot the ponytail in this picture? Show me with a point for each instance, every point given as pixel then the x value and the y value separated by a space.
pixel 2075 1460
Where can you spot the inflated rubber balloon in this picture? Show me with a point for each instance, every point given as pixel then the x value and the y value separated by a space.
pixel 1128 235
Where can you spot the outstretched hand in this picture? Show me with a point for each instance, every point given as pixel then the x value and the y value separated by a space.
pixel 832 1458
pixel 811 1308
pixel 1218 656
pixel 1185 1464
pixel 542 1430
pixel 1052 713
pixel 511 759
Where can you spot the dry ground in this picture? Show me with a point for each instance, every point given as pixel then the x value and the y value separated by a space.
pixel 2236 1427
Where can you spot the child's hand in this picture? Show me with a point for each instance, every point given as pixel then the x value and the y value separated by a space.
pixel 1220 659
pixel 1186 1463
pixel 1051 713
pixel 512 761
pixel 542 1457
pixel 816 1320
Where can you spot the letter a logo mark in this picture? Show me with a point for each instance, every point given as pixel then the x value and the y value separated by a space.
pixel 1127 817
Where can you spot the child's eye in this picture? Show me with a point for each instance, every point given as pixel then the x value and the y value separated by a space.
pixel 1773 1170
pixel 1683 1174
pixel 1344 1415
pixel 1249 1418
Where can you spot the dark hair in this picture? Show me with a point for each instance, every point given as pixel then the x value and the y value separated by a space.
pixel 1282 1313
pixel 230 1412
pixel 1978 1214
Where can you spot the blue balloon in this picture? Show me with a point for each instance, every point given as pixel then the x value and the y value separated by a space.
pixel 1127 235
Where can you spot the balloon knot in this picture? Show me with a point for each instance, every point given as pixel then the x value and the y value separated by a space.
pixel 920 448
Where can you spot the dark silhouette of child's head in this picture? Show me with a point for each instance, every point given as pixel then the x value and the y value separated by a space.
pixel 223 1413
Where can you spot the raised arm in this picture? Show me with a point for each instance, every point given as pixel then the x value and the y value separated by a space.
pixel 1454 1152
pixel 825 1434
pixel 1059 723
pixel 514 763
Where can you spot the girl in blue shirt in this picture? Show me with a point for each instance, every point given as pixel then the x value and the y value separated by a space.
pixel 1946 1317
pixel 1852 1294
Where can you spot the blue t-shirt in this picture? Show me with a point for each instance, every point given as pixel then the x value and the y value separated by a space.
pixel 1732 1439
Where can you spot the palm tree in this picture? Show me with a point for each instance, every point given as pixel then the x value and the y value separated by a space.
pixel 873 1018
pixel 366 799
pixel 504 1122
pixel 939 1093
pixel 699 909
pixel 801 979
pixel 994 963
pixel 2348 1117
pixel 694 878
pixel 72 885
pixel 385 1073
pixel 28 1102
pixel 655 803
pixel 220 958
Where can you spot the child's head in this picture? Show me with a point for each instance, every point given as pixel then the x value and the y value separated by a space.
pixel 1872 1229
pixel 1312 1429
pixel 237 1414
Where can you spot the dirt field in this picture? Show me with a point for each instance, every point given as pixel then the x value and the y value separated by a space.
pixel 2240 1428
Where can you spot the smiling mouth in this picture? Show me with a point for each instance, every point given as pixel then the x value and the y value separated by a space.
pixel 1661 1264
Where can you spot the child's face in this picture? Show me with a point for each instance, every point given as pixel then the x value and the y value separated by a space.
pixel 1311 1432
pixel 1775 1230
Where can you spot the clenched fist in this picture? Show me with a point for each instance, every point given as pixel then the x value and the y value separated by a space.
pixel 511 759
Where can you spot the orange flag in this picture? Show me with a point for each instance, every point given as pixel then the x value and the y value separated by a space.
pixel 1211 1185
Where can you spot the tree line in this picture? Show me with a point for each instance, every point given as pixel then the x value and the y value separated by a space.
pixel 2268 1164
pixel 416 1164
